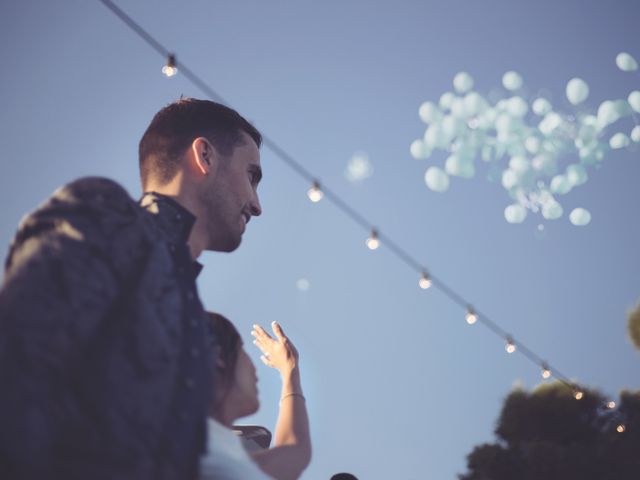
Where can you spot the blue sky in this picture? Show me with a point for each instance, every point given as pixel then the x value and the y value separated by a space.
pixel 398 385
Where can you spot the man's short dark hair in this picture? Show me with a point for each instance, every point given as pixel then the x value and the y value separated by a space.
pixel 177 125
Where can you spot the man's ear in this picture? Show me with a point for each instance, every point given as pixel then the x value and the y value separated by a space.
pixel 205 156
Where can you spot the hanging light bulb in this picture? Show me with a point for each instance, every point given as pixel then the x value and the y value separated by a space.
pixel 620 428
pixel 425 281
pixel 611 405
pixel 578 394
pixel 170 69
pixel 510 347
pixel 373 242
pixel 471 316
pixel 546 371
pixel 314 193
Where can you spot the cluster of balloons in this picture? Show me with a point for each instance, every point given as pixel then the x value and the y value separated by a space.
pixel 548 152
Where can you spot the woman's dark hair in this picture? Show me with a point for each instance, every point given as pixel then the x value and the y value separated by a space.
pixel 228 342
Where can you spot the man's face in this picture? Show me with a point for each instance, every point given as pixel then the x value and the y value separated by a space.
pixel 230 199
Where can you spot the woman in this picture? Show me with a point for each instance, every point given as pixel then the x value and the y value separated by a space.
pixel 236 396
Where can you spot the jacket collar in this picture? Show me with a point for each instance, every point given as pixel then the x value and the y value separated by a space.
pixel 174 220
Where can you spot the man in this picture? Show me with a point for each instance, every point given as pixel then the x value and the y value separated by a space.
pixel 103 356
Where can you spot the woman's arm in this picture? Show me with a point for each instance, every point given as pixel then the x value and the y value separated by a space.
pixel 292 449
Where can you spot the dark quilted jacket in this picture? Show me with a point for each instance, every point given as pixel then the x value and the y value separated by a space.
pixel 104 368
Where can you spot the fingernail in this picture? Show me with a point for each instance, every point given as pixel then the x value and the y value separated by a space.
pixel 274 323
pixel 255 342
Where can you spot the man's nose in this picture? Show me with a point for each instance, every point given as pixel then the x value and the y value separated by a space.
pixel 256 209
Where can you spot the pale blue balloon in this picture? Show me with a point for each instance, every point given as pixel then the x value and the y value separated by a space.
pixel 619 140
pixel 560 184
pixel 545 164
pixel 515 213
pixel 607 114
pixel 419 150
pixel 458 108
pixel 436 179
pixel 532 144
pixel 635 134
pixel 577 91
pixel 580 217
pixel 552 210
pixel 509 179
pixel 541 106
pixel 549 123
pixel 462 82
pixel 434 137
pixel 446 100
pixel 429 113
pixel 474 103
pixel 626 62
pixel 634 100
pixel 576 174
pixel 512 80
pixel 452 127
pixel 458 167
pixel 519 164
pixel 517 107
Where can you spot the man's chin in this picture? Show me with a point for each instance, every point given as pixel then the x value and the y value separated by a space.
pixel 227 246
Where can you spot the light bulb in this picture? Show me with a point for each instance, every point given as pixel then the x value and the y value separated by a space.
pixel 577 394
pixel 170 68
pixel 620 428
pixel 372 241
pixel 546 372
pixel 425 281
pixel 314 193
pixel 471 316
pixel 611 404
pixel 510 347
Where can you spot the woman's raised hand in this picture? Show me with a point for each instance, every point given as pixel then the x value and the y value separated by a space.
pixel 278 352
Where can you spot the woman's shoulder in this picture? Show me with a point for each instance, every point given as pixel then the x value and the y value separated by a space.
pixel 226 458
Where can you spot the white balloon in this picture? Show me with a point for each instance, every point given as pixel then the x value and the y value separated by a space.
pixel 532 144
pixel 626 62
pixel 545 164
pixel 541 106
pixel 429 112
pixel 512 80
pixel 576 174
pixel 419 150
pixel 577 91
pixel 474 103
pixel 454 165
pixel 580 217
pixel 458 108
pixel 452 126
pixel 446 100
pixel 436 179
pixel 517 107
pixel 462 82
pixel 509 179
pixel 560 184
pixel 515 213
pixel 434 137
pixel 607 114
pixel 635 134
pixel 549 123
pixel 519 164
pixel 634 100
pixel 619 140
pixel 551 210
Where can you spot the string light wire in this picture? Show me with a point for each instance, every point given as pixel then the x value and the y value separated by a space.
pixel 400 252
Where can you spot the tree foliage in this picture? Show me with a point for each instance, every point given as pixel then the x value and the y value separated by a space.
pixel 634 326
pixel 548 434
